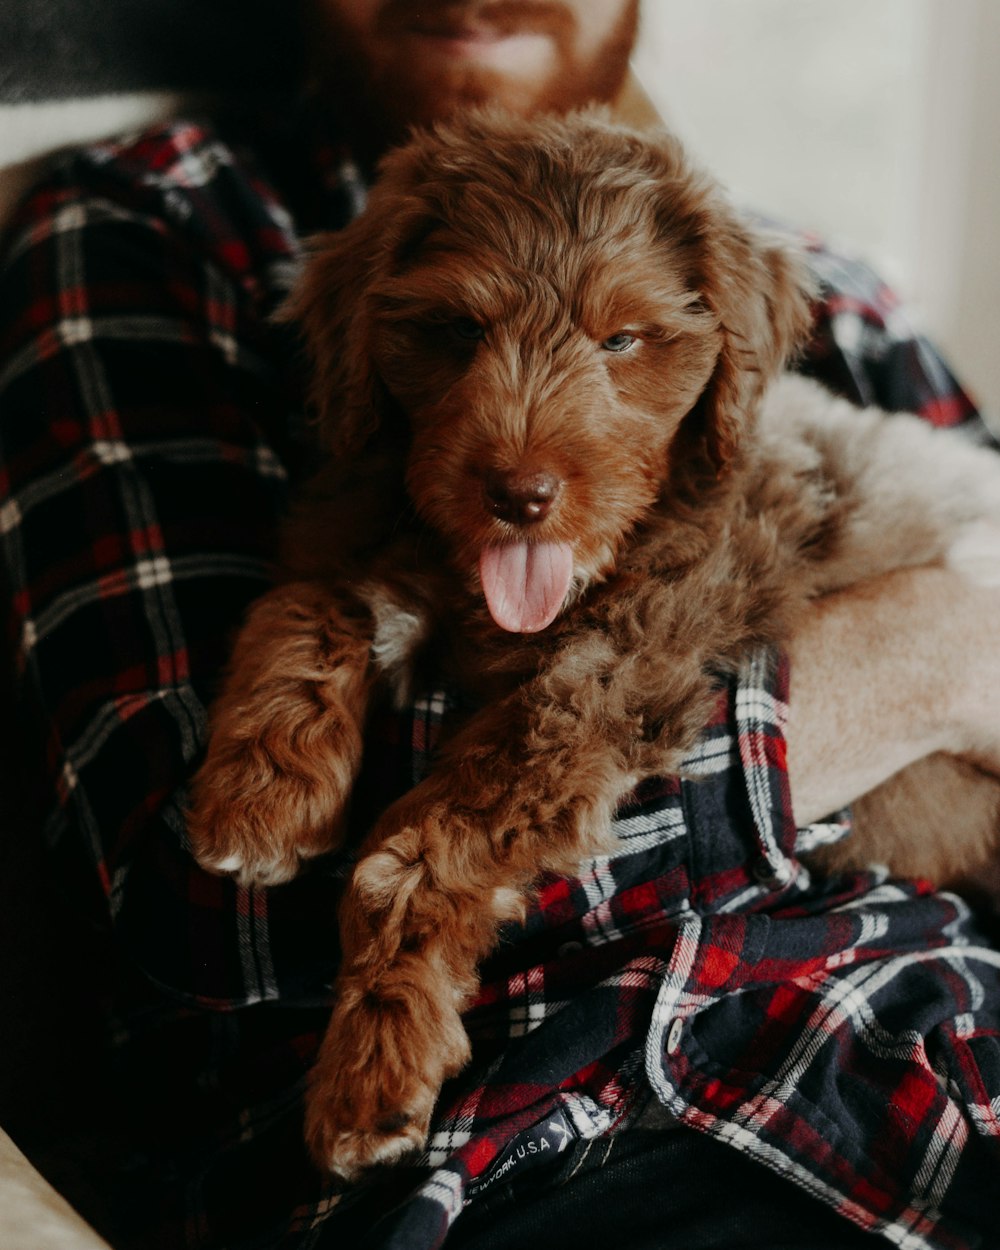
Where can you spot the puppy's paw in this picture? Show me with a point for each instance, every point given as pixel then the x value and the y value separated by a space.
pixel 348 1133
pixel 257 822
pixel 391 1043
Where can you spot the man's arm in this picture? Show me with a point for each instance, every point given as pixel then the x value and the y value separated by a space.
pixel 885 673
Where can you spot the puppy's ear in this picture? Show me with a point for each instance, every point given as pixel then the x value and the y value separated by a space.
pixel 756 289
pixel 330 306
pixel 335 301
pixel 761 293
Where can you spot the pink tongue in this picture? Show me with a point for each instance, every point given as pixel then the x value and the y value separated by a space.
pixel 525 584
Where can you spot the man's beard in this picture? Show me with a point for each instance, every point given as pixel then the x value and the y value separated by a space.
pixel 377 106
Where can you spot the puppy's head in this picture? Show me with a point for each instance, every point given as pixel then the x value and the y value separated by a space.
pixel 572 324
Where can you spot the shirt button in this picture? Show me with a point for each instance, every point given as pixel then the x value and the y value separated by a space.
pixel 569 948
pixel 674 1035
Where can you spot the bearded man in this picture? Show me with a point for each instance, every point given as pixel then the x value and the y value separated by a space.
pixel 150 424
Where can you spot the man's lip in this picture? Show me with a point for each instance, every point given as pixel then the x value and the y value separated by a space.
pixel 457 34
pixel 489 46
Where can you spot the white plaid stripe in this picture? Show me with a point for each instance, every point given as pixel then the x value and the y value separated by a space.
pixel 105 452
pixel 19 362
pixel 986 1117
pixel 713 755
pixel 668 1003
pixel 222 326
pixel 89 825
pixel 883 891
pixel 452 1134
pixel 181 702
pixel 643 973
pixel 75 331
pixel 810 838
pixel 256 967
pixel 11 517
pixel 445 1188
pixel 646 830
pixel 599 925
pixel 147 574
pixel 528 1005
pixel 937 1169
pixel 194 167
pixel 70 218
pixel 746 899
pixel 757 710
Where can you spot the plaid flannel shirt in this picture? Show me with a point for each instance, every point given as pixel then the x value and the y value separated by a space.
pixel 844 1033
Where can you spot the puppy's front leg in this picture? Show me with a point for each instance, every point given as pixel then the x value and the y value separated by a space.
pixel 285 737
pixel 517 792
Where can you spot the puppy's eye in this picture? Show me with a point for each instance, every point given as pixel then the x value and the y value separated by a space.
pixel 619 342
pixel 466 329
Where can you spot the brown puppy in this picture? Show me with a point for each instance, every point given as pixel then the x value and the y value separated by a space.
pixel 565 465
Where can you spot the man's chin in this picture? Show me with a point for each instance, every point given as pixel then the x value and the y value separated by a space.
pixel 480 87
pixel 459 86
pixel 428 73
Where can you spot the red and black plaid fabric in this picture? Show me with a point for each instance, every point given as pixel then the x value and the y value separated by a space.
pixel 843 1033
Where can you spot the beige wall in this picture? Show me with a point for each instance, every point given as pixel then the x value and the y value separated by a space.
pixel 872 121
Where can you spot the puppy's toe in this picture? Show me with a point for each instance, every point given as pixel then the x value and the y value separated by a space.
pixel 375 1083
pixel 252 870
pixel 349 1151
pixel 260 837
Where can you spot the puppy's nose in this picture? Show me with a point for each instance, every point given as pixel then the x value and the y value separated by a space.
pixel 521 498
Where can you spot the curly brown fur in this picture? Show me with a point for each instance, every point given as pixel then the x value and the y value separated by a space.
pixel 547 363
